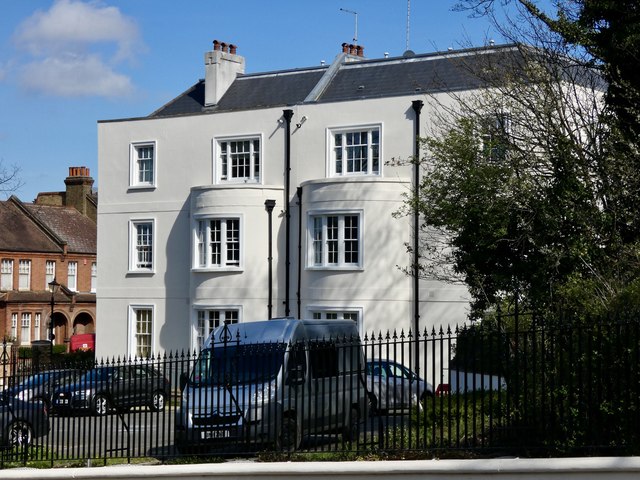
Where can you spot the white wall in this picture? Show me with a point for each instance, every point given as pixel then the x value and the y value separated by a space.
pixel 186 171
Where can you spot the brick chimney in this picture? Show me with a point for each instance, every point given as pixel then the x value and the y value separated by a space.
pixel 79 184
pixel 222 65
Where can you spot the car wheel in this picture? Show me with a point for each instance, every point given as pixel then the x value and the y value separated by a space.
pixel 158 401
pixel 289 438
pixel 373 404
pixel 20 434
pixel 352 426
pixel 100 405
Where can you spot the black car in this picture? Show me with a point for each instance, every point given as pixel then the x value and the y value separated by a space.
pixel 114 387
pixel 21 422
pixel 40 387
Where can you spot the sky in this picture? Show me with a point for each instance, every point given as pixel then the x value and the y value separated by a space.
pixel 66 64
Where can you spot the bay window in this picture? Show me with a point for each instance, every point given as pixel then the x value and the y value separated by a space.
pixel 335 240
pixel 218 243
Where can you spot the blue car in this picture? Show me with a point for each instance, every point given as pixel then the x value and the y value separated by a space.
pixel 40 387
pixel 21 422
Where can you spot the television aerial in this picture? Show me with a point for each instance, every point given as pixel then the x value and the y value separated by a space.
pixel 355 14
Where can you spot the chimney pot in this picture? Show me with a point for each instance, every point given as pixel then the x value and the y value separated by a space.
pixel 216 45
pixel 352 49
pixel 360 50
pixel 224 47
pixel 79 172
pixel 232 49
pixel 345 48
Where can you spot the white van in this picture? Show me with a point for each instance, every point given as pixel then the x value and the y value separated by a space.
pixel 273 382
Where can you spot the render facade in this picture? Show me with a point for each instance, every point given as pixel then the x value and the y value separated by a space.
pixel 252 196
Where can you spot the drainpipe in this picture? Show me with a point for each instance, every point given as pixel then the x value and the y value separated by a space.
pixel 417 108
pixel 299 194
pixel 268 205
pixel 288 114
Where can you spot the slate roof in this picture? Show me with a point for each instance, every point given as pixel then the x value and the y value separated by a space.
pixel 27 227
pixel 387 77
pixel 18 233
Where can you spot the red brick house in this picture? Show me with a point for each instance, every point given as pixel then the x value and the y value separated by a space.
pixel 53 238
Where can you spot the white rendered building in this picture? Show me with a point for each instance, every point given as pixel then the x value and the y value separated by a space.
pixel 186 235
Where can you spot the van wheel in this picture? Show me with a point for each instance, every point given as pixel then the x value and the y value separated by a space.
pixel 289 438
pixel 352 427
pixel 185 448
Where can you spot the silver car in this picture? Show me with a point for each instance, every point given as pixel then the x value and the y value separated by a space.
pixel 392 386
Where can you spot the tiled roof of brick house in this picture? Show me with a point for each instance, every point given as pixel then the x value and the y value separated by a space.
pixel 26 227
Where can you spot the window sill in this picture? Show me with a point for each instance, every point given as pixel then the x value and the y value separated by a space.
pixel 141 188
pixel 347 268
pixel 217 269
pixel 141 273
pixel 240 181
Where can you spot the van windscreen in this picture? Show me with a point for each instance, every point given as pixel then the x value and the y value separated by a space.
pixel 238 364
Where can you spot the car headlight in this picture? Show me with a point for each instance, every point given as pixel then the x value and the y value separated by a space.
pixel 25 395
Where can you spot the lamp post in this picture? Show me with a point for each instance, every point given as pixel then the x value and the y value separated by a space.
pixel 53 286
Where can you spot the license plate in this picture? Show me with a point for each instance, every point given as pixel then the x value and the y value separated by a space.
pixel 215 434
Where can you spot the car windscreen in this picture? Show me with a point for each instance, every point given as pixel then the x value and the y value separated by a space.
pixel 57 377
pixel 238 364
pixel 97 375
pixel 35 380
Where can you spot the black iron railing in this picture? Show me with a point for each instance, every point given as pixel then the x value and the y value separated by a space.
pixel 488 389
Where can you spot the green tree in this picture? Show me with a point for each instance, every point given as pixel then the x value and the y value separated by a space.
pixel 603 35
pixel 530 189
pixel 510 194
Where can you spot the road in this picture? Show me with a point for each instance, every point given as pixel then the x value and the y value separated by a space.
pixel 137 433
pixel 143 433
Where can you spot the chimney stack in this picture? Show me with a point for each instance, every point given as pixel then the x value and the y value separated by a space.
pixel 222 66
pixel 79 184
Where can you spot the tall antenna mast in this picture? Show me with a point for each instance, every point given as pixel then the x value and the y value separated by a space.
pixel 355 35
pixel 408 21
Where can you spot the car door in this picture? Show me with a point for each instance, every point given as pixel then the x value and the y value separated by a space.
pixel 401 380
pixel 120 386
pixel 143 382
pixel 377 382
